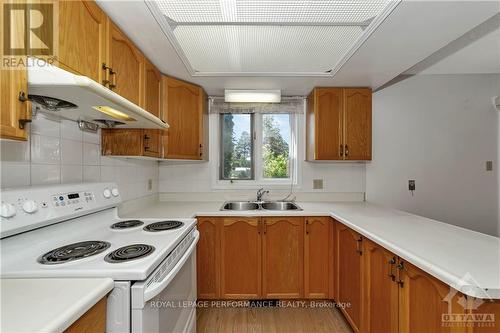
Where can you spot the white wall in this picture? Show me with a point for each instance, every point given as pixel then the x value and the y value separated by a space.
pixel 58 152
pixel 439 130
pixel 337 177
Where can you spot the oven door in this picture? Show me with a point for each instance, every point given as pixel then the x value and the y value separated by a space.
pixel 168 304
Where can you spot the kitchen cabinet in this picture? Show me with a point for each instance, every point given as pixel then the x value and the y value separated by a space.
pixel 94 320
pixel 241 258
pixel 185 110
pixel 318 258
pixel 338 124
pixel 15 110
pixel 208 257
pixel 380 290
pixel 283 253
pixel 130 142
pixel 82 39
pixel 152 89
pixel 488 307
pixel 126 65
pixel 349 267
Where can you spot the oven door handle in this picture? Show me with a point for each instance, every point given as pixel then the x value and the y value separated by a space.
pixel 158 287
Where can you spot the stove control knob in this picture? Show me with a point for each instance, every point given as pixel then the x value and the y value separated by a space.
pixel 107 193
pixel 30 206
pixel 7 210
pixel 115 192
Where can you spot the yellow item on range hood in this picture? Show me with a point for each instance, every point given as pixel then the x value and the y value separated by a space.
pixel 77 97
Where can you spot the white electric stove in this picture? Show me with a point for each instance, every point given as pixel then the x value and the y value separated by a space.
pixel 74 231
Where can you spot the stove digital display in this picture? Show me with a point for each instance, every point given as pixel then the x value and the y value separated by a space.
pixel 73 196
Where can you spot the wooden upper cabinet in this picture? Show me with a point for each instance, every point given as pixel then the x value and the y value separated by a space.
pixel 152 89
pixel 348 270
pixel 324 124
pixel 82 39
pixel 130 142
pixel 318 257
pixel 208 257
pixel 423 301
pixel 358 124
pixel 380 290
pixel 283 257
pixel 338 124
pixel 185 110
pixel 126 62
pixel 14 110
pixel 241 255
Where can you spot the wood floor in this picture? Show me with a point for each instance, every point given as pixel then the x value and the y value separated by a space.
pixel 270 319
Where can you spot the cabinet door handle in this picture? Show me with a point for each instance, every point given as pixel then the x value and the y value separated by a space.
pixel 341 150
pixel 346 150
pixel 391 266
pixel 359 245
pixel 105 68
pixel 264 225
pixel 23 121
pixel 259 225
pixel 307 227
pixel 400 268
pixel 201 150
pixel 112 74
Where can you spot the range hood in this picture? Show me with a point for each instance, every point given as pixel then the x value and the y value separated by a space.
pixel 77 97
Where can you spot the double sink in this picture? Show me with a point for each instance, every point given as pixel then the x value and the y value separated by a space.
pixel 266 205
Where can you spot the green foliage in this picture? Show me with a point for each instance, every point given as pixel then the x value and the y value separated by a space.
pixel 275 150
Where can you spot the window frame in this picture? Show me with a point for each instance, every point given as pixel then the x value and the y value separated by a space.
pixel 257 158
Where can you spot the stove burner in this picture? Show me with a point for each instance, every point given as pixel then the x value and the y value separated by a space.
pixel 127 224
pixel 163 225
pixel 129 252
pixel 73 251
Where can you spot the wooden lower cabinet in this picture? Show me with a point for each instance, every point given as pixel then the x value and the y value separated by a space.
pixel 489 308
pixel 241 258
pixel 348 267
pixel 318 257
pixel 92 321
pixel 380 290
pixel 283 256
pixel 208 257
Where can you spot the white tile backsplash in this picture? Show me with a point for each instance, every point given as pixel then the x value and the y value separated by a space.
pixel 57 151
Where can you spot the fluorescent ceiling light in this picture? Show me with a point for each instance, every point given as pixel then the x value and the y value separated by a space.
pixel 252 96
pixel 113 113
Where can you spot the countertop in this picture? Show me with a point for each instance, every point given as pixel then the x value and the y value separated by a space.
pixel 467 260
pixel 48 305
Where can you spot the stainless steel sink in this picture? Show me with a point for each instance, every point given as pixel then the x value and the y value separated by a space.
pixel 269 205
pixel 240 205
pixel 280 205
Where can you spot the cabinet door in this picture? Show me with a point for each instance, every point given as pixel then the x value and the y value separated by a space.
pixel 12 109
pixel 348 272
pixel 358 124
pixel 127 66
pixel 208 257
pixel 122 142
pixel 317 257
pixel 328 104
pixel 82 38
pixel 380 290
pixel 490 308
pixel 283 257
pixel 241 258
pixel 423 300
pixel 183 111
pixel 152 93
pixel 152 142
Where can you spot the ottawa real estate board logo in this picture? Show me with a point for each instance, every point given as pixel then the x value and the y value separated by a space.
pixel 29 29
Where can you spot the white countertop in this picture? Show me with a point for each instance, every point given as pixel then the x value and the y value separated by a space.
pixel 465 259
pixel 47 305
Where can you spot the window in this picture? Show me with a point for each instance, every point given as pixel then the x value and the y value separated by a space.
pixel 257 147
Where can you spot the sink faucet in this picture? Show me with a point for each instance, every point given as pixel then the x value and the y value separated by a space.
pixel 260 194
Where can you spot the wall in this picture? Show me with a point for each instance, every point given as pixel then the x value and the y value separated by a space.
pixel 346 180
pixel 58 152
pixel 439 130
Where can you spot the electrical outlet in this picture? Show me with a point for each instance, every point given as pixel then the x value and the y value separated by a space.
pixel 150 184
pixel 411 185
pixel 317 184
pixel 489 165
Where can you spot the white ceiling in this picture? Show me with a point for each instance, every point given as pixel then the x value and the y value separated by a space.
pixel 413 31
pixel 481 56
